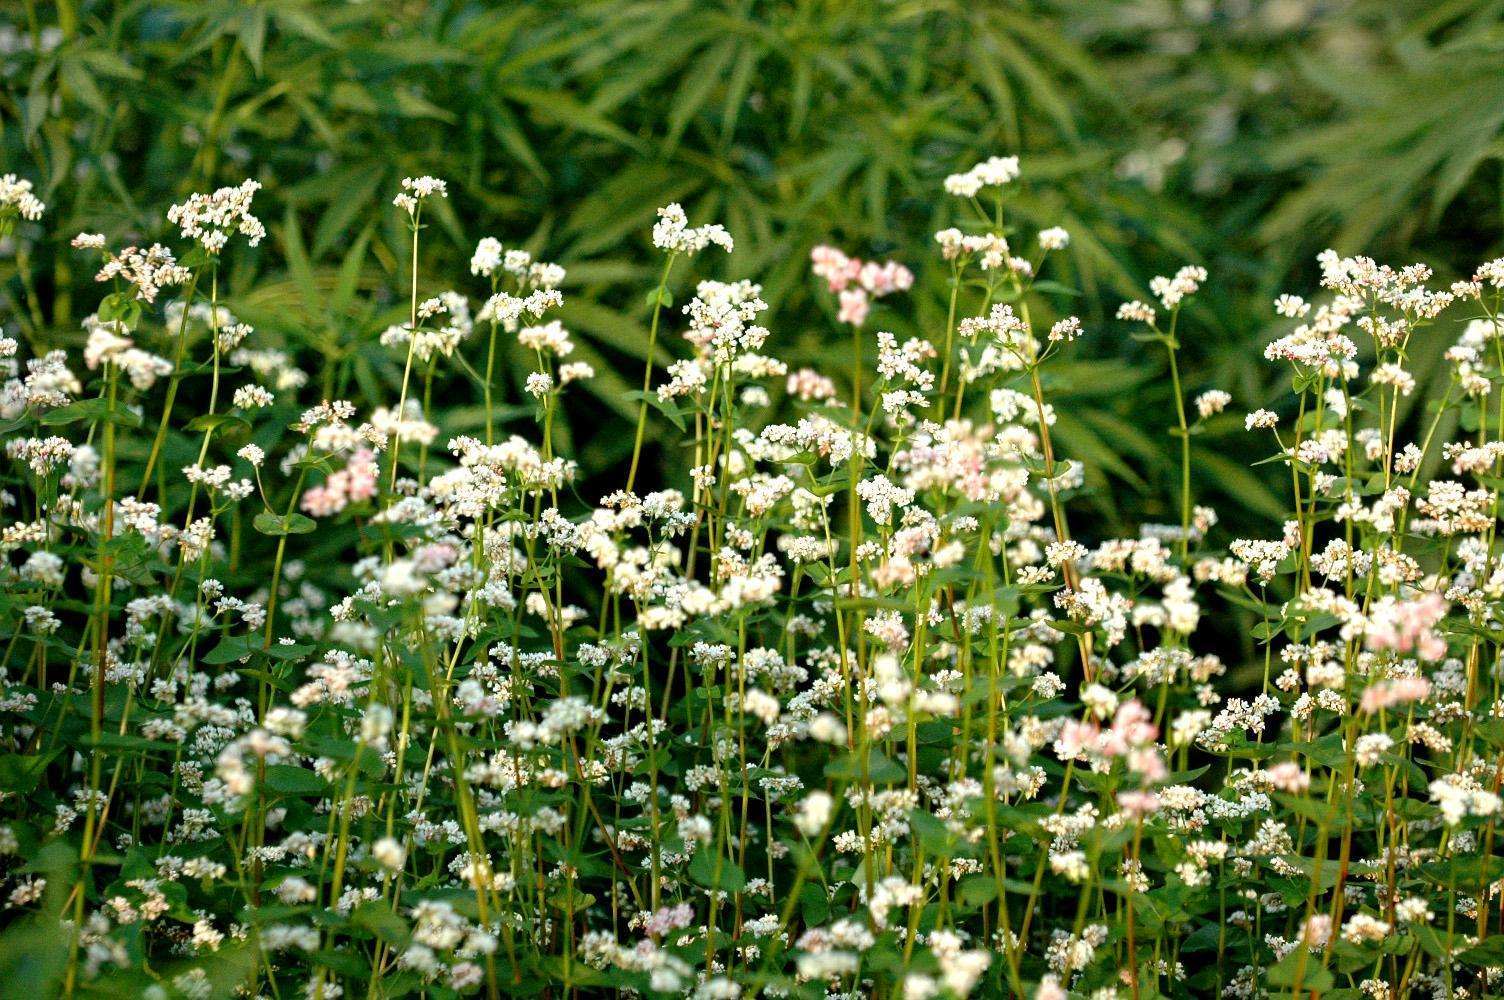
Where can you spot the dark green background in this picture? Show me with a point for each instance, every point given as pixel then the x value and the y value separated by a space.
pixel 1244 135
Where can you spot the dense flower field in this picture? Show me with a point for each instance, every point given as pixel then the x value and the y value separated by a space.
pixel 848 712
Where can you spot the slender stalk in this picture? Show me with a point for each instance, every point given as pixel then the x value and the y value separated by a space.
pixel 647 372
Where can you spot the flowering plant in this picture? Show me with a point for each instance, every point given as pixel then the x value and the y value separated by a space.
pixel 850 711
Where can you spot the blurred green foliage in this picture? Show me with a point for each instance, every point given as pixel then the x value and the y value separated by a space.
pixel 1242 134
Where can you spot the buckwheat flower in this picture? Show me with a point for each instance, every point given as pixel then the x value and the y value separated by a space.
pixel 105 343
pixel 1288 776
pixel 1066 330
pixel 1361 927
pixel 252 397
pixel 294 891
pixel 487 257
pixel 1071 864
pixel 1370 748
pixel 16 198
pixel 252 454
pixel 1392 374
pixel 148 271
pixel 827 728
pixel 952 243
pixel 1263 419
pixel 212 218
pixel 416 189
pixel 1060 553
pixel 142 368
pixel 389 854
pixel 1212 402
pixel 1099 700
pixel 574 371
pixel 28 890
pixel 549 338
pixel 88 241
pixel 1050 989
pixel 543 276
pixel 1459 796
pixel 408 427
pixel 1010 336
pixel 1292 306
pixel 1137 311
pixel 40 620
pixel 287 722
pixel 919 987
pixel 815 811
pixel 854 307
pixel 885 278
pixel 809 385
pixel 1413 910
pixel 538 384
pixel 964 185
pixel 212 478
pixel 1054 238
pixel 1406 626
pixel 881 497
pixel 995 171
pixel 673 233
pixel 1048 686
pixel 1138 803
pixel 762 705
pixel 1172 291
pixel 835 267
pixel 42 455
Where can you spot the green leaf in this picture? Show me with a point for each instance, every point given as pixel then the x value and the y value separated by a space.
pixel 977 890
pixel 1301 968
pixel 880 768
pixel 1488 952
pixel 717 872
pixel 290 780
pixel 212 421
pixel 92 409
pixel 278 525
pixel 385 924
pixel 663 406
pixel 229 650
pixel 930 832
pixel 20 773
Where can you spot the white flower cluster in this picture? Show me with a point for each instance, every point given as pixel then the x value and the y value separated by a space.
pixel 673 233
pixel 211 219
pixel 17 198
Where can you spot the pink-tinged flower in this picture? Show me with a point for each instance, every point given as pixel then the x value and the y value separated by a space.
pixel 352 484
pixel 1408 626
pixel 434 557
pixel 857 282
pixel 320 502
pixel 668 918
pixel 361 484
pixel 1138 803
pixel 1148 764
pixel 1133 724
pixel 835 267
pixel 1076 737
pixel 1288 776
pixel 1318 930
pixel 1131 736
pixel 808 384
pixel 1401 691
pixel 883 279
pixel 1050 989
pixel 854 307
